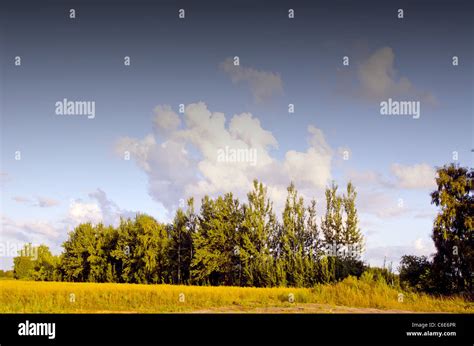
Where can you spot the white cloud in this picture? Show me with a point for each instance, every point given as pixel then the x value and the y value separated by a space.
pixel 165 119
pixel 80 212
pixel 379 79
pixel 99 209
pixel 42 202
pixel 109 210
pixel 263 84
pixel 186 162
pixel 301 166
pixel 418 176
pixel 139 149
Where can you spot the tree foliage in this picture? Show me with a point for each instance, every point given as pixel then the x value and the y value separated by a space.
pixel 226 243
pixel 453 230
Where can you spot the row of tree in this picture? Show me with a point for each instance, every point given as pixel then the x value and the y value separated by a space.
pixel 226 243
pixel 234 243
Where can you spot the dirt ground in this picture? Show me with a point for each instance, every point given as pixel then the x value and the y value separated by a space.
pixel 303 308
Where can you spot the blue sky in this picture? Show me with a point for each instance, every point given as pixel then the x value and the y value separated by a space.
pixel 72 168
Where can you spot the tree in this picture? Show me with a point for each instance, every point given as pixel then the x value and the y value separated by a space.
pixel 7 274
pixel 181 245
pixel 312 247
pixel 23 263
pixel 343 240
pixel 35 263
pixel 332 224
pixel 216 260
pixel 353 239
pixel 415 272
pixel 453 263
pixel 44 266
pixel 142 249
pixel 80 260
pixel 255 248
pixel 294 238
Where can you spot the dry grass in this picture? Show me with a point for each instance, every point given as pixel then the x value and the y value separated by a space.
pixel 365 295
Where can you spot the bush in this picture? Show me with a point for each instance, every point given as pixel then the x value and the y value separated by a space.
pixel 416 274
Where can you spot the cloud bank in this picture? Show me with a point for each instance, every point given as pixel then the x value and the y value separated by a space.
pixel 180 157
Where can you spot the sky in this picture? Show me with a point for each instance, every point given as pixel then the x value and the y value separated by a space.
pixel 73 168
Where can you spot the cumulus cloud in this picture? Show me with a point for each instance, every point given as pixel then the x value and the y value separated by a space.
pixel 300 166
pixel 418 176
pixel 188 162
pixel 81 212
pixel 379 79
pixel 262 84
pixel 98 209
pixel 165 119
pixel 109 210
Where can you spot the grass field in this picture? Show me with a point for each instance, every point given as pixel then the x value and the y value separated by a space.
pixel 349 296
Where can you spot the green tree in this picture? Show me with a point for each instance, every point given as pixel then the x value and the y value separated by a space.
pixel 87 254
pixel 312 247
pixel 35 263
pixel 353 239
pixel 216 260
pixel 342 237
pixel 453 263
pixel 79 261
pixel 23 263
pixel 181 245
pixel 7 274
pixel 415 272
pixel 294 238
pixel 44 265
pixel 142 250
pixel 332 223
pixel 255 246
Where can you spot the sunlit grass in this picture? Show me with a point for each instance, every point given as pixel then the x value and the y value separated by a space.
pixel 66 297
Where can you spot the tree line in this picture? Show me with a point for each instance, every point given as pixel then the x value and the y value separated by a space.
pixel 244 244
pixel 227 243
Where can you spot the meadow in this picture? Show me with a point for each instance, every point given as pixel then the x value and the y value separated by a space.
pixel 351 295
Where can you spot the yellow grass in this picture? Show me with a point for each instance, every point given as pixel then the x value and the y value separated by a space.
pixel 65 297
